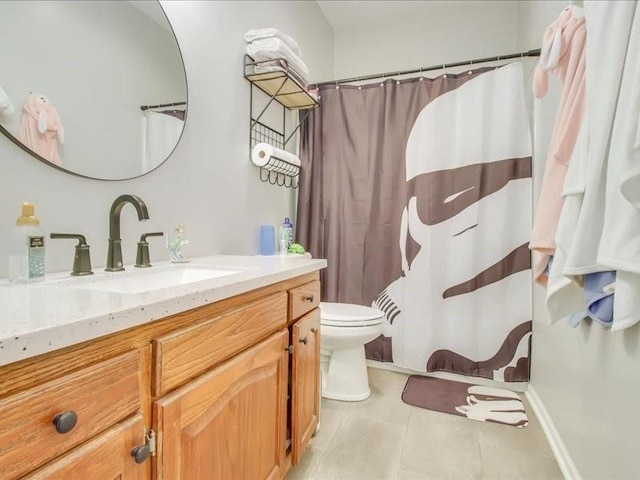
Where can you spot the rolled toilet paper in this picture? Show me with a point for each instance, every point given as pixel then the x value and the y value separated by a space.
pixel 275 159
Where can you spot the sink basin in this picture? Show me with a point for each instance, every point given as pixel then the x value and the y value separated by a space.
pixel 141 282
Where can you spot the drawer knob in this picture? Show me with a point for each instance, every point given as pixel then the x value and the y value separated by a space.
pixel 141 453
pixel 64 422
pixel 308 298
pixel 303 340
pixel 313 330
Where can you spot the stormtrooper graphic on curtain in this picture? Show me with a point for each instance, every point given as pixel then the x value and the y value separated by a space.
pixel 463 302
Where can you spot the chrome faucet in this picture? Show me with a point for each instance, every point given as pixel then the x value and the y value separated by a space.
pixel 114 252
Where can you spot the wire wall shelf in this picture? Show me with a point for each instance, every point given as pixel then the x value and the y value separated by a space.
pixel 286 91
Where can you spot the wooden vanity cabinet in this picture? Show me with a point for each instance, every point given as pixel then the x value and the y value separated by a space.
pixel 215 390
pixel 229 423
pixel 232 421
pixel 305 398
pixel 304 332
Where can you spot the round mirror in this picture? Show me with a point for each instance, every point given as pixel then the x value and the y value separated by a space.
pixel 96 88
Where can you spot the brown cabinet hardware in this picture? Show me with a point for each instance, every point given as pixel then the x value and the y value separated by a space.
pixel 64 422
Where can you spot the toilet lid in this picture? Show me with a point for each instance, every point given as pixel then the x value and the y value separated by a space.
pixel 346 314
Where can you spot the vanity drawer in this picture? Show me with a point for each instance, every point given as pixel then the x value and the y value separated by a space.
pixel 189 352
pixel 303 299
pixel 100 396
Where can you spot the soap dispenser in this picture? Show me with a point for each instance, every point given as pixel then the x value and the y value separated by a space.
pixel 285 236
pixel 26 257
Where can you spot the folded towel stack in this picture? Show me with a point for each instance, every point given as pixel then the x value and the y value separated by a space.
pixel 278 52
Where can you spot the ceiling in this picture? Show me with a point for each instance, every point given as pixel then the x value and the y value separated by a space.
pixel 342 14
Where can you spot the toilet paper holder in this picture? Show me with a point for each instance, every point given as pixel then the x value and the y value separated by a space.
pixel 277 166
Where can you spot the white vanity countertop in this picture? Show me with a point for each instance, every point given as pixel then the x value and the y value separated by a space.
pixel 64 310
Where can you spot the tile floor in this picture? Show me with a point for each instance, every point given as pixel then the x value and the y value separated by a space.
pixel 383 438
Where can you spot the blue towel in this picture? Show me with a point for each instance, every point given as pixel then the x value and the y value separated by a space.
pixel 598 296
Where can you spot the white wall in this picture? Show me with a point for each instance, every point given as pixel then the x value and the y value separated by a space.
pixel 442 37
pixel 586 378
pixel 208 184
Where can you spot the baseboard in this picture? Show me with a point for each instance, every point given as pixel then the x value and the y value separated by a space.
pixel 561 453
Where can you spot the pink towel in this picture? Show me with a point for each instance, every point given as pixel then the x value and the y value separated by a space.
pixel 563 53
pixel 41 128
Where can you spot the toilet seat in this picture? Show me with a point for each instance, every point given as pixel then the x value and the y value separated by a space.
pixel 349 315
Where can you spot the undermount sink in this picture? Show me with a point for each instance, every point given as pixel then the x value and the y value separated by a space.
pixel 146 281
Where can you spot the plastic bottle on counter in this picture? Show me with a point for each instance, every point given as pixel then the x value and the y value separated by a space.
pixel 26 256
pixel 285 237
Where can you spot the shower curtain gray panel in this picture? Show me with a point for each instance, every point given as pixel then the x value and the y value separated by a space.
pixel 418 194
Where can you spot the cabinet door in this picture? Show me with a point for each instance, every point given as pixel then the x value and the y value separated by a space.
pixel 305 337
pixel 98 396
pixel 230 423
pixel 106 457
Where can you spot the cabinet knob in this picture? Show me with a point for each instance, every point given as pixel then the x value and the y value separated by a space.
pixel 141 453
pixel 308 298
pixel 303 340
pixel 64 422
pixel 314 330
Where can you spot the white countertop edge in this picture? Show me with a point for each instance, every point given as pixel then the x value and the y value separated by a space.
pixel 18 345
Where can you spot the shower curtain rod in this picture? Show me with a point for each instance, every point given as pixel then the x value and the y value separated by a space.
pixel 148 107
pixel 530 53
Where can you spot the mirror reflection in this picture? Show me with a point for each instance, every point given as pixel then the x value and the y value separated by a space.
pixel 96 88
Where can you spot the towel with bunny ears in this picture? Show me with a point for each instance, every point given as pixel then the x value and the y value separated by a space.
pixel 41 128
pixel 6 107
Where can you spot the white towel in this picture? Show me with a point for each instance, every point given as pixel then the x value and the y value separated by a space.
pixel 273 49
pixel 630 179
pixel 609 25
pixel 261 33
pixel 6 107
pixel 619 245
pixel 280 66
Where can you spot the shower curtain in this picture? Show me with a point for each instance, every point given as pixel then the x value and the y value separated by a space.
pixel 161 132
pixel 418 194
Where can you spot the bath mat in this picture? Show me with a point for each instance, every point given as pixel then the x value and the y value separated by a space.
pixel 485 404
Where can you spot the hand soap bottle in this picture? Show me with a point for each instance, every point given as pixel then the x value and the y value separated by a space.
pixel 26 258
pixel 285 236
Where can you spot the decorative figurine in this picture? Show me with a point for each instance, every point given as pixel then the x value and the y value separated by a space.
pixel 175 242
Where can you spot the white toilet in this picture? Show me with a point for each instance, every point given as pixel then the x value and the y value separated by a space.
pixel 345 328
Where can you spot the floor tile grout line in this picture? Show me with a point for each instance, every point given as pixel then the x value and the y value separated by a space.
pixel 484 473
pixel 404 443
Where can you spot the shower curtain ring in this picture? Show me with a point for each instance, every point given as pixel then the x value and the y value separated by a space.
pixel 498 62
pixel 337 86
pixel 444 70
pixel 470 64
pixel 421 77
